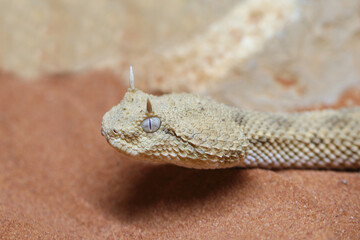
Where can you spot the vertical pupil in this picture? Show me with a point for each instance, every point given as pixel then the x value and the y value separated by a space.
pixel 151 124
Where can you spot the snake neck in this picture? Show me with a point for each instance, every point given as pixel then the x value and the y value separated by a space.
pixel 319 139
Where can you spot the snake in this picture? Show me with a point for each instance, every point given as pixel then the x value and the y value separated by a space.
pixel 195 131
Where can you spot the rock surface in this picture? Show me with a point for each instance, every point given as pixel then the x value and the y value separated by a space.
pixel 262 54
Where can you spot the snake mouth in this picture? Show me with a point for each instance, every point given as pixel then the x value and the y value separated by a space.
pixel 122 146
pixel 104 133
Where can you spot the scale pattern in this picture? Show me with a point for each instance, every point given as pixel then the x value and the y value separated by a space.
pixel 197 132
pixel 318 139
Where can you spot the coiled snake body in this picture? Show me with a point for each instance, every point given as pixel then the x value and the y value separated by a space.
pixel 197 132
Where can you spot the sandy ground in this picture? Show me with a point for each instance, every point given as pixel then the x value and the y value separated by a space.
pixel 59 179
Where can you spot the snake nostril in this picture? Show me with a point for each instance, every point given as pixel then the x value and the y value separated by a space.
pixel 114 131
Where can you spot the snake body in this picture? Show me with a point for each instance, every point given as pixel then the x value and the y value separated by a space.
pixel 198 132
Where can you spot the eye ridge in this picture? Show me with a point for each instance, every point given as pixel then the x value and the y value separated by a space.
pixel 151 124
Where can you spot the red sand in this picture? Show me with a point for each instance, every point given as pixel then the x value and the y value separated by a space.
pixel 60 179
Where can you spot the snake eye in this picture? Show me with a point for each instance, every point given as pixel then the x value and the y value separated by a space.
pixel 151 124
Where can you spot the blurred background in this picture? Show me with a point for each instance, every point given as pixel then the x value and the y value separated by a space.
pixel 64 63
pixel 262 54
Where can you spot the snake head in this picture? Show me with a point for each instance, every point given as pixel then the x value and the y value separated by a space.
pixel 132 127
pixel 182 129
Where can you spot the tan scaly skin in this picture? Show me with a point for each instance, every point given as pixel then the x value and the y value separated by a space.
pixel 197 132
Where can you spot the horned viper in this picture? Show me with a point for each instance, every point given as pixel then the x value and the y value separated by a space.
pixel 197 132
